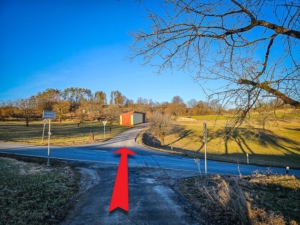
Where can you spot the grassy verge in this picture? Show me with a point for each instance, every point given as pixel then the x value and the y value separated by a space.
pixel 256 199
pixel 276 145
pixel 32 193
pixel 67 133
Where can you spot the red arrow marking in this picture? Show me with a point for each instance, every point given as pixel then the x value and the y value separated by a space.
pixel 120 193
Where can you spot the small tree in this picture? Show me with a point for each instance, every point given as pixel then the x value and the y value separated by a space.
pixel 81 114
pixel 61 108
pixel 112 114
pixel 27 108
pixel 161 125
pixel 5 110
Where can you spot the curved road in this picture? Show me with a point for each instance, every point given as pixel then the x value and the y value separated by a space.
pixel 146 157
pixel 153 198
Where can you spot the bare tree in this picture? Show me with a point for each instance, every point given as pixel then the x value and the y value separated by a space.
pixel 112 114
pixel 6 109
pixel 27 108
pixel 117 98
pixel 161 125
pixel 61 108
pixel 252 46
pixel 177 106
pixel 100 97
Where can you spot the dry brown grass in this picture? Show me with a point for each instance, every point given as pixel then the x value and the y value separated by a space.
pixel 257 199
pixel 276 145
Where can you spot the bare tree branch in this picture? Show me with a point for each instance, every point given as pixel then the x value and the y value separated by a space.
pixel 251 46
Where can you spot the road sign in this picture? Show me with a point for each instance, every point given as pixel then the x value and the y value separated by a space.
pixel 49 114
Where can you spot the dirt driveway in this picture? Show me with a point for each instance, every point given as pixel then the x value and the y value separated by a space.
pixel 152 197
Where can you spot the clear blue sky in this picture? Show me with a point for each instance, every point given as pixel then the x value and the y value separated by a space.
pixel 82 43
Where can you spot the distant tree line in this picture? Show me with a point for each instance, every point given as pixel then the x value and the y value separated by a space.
pixel 80 104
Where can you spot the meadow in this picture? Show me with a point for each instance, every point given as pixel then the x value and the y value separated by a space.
pixel 32 193
pixel 65 133
pixel 278 144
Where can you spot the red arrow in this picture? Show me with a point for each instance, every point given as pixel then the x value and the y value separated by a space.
pixel 120 193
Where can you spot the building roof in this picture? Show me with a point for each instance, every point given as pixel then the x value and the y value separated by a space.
pixel 134 112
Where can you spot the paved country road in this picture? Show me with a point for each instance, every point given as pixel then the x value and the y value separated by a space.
pixel 103 152
pixel 152 175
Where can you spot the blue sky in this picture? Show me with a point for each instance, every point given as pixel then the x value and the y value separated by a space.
pixel 82 43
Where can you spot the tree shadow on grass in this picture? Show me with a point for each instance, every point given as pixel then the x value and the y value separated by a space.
pixel 268 138
pixel 292 129
pixel 243 137
pixel 182 133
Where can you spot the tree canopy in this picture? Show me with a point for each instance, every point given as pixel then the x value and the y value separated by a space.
pixel 251 46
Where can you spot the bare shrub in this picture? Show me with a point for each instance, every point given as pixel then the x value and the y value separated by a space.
pixel 261 217
pixel 221 197
pixel 244 200
pixel 161 124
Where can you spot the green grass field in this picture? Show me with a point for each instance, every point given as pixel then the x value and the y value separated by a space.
pixel 278 144
pixel 32 193
pixel 67 133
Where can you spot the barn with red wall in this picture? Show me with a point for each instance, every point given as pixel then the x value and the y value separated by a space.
pixel 132 118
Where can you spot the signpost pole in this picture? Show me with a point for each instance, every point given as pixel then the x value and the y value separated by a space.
pixel 48 115
pixel 43 131
pixel 104 123
pixel 205 137
pixel 49 134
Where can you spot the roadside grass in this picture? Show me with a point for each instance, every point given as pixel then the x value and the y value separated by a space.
pixel 66 133
pixel 255 199
pixel 276 145
pixel 209 117
pixel 284 114
pixel 32 193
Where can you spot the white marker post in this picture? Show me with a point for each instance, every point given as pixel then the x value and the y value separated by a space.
pixel 204 139
pixel 104 123
pixel 49 134
pixel 49 115
pixel 44 122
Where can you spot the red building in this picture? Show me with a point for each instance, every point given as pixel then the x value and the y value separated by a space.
pixel 132 118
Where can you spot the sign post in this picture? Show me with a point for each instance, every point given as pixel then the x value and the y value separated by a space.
pixel 44 122
pixel 49 134
pixel 204 139
pixel 49 115
pixel 104 123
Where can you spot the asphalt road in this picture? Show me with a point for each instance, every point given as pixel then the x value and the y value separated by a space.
pixel 153 198
pixel 145 157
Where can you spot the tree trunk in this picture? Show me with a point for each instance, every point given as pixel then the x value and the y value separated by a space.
pixel 27 121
